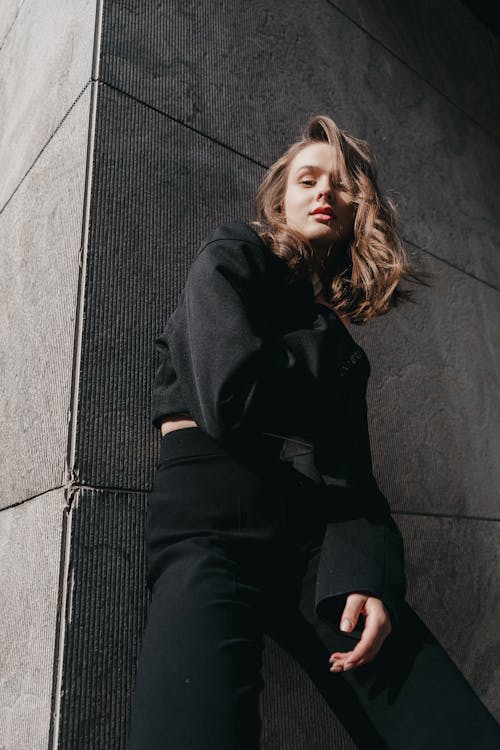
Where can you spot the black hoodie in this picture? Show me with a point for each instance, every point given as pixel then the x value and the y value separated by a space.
pixel 248 351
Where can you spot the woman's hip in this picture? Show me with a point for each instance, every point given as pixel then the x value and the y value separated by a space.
pixel 202 487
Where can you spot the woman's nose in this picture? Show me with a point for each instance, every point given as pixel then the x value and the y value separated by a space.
pixel 325 191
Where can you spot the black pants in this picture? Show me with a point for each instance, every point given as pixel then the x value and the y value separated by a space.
pixel 233 540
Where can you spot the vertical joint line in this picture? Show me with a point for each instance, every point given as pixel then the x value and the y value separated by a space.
pixel 71 473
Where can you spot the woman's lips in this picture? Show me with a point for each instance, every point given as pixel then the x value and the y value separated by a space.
pixel 322 217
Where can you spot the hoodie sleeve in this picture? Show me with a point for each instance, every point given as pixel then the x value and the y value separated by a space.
pixel 362 551
pixel 233 377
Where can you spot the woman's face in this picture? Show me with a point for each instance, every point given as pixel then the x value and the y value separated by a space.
pixel 310 188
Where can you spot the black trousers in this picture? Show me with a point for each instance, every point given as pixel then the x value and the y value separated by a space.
pixel 233 541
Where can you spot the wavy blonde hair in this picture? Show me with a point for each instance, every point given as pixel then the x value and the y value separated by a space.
pixel 365 279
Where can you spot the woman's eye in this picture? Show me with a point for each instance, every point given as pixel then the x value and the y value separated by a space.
pixel 307 182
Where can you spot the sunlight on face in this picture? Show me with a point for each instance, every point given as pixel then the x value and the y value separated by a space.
pixel 314 203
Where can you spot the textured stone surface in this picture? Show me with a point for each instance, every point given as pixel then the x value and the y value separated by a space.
pixel 495 47
pixel 104 619
pixel 45 62
pixel 175 187
pixel 444 42
pixel 453 567
pixel 40 231
pixel 294 713
pixel 30 544
pixel 434 396
pixel 209 68
pixel 10 13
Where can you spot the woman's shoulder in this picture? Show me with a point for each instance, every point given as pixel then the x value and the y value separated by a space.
pixel 234 230
pixel 235 243
pixel 236 233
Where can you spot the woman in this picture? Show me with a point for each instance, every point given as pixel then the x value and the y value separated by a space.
pixel 265 516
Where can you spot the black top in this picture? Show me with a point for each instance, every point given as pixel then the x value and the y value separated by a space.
pixel 247 351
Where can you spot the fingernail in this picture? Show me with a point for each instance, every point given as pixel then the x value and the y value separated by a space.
pixel 345 624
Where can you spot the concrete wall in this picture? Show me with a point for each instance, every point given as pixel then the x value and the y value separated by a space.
pixel 191 101
pixel 46 54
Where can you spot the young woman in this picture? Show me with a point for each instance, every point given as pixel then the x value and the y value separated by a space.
pixel 265 516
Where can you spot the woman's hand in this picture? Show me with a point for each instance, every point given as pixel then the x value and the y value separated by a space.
pixel 376 629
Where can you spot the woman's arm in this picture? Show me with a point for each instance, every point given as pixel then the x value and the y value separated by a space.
pixel 361 569
pixel 232 376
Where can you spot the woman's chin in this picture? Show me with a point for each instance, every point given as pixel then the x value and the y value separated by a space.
pixel 322 240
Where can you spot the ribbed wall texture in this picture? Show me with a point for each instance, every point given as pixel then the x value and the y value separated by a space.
pixel 294 714
pixel 158 190
pixel 250 74
pixel 195 99
pixel 442 42
pixel 105 611
pixel 453 567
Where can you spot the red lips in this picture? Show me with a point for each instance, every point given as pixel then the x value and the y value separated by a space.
pixel 324 210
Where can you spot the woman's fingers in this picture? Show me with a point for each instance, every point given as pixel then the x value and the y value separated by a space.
pixel 352 610
pixel 364 652
pixel 377 628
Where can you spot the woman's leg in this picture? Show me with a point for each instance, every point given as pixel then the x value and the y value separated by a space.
pixel 411 697
pixel 207 536
pixel 199 680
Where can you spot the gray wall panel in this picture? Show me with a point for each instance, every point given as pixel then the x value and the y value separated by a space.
pixel 494 43
pixel 434 398
pixel 294 714
pixel 175 187
pixel 208 66
pixel 40 81
pixel 103 620
pixel 453 567
pixel 429 37
pixel 40 231
pixel 30 545
pixel 10 13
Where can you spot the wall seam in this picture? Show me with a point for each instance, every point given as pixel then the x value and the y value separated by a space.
pixel 10 27
pixel 37 496
pixel 62 608
pixel 72 491
pixel 492 40
pixel 457 516
pixel 451 265
pixel 407 65
pixel 265 166
pixel 71 472
pixel 183 124
pixel 141 493
pixel 37 157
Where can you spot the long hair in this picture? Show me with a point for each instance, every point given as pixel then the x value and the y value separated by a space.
pixel 365 280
